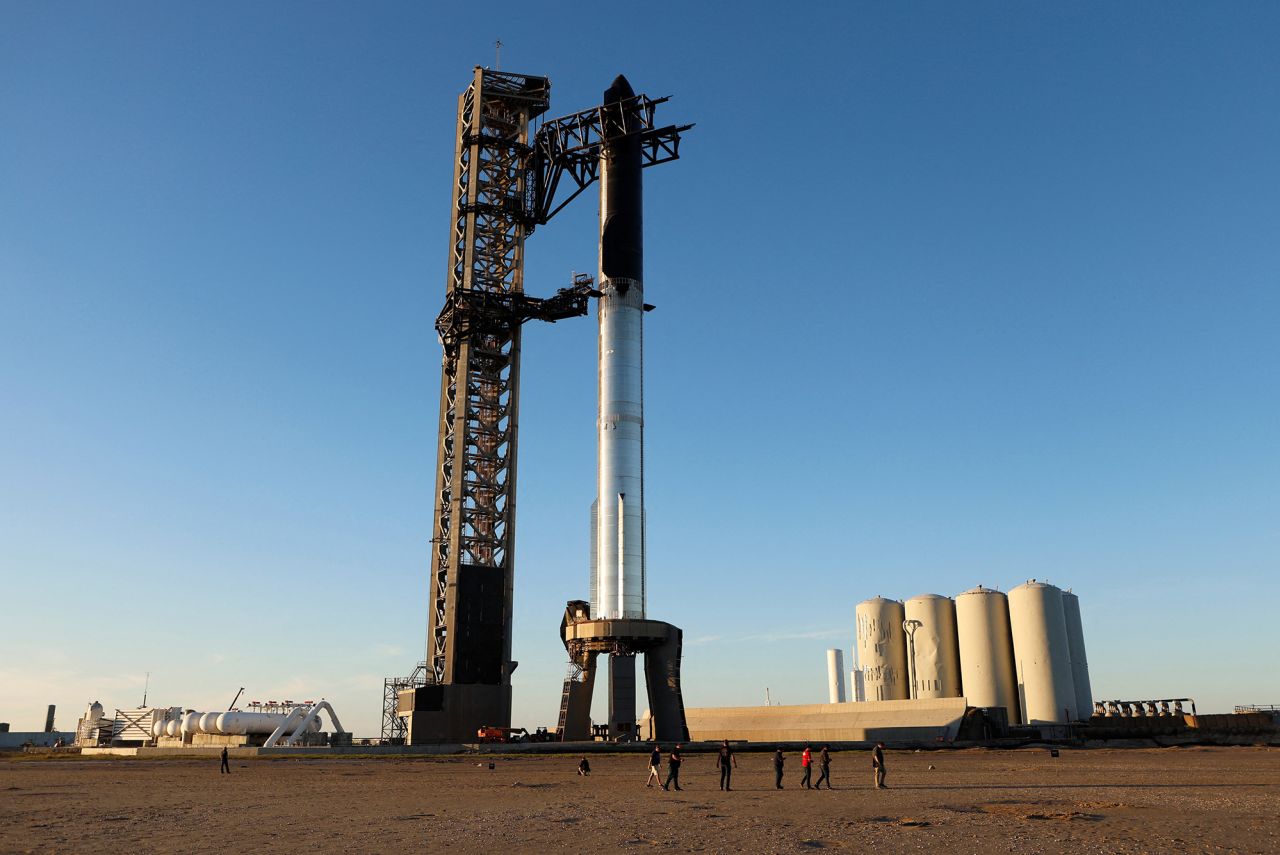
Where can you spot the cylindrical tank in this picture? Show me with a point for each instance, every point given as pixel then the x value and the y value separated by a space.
pixel 620 519
pixel 1041 654
pixel 208 722
pixel 882 649
pixel 190 723
pixel 986 651
pixel 237 723
pixel 171 727
pixel 1079 661
pixel 835 675
pixel 933 647
pixel 855 686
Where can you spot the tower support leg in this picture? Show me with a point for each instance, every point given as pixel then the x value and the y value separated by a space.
pixel 575 703
pixel 662 675
pixel 622 697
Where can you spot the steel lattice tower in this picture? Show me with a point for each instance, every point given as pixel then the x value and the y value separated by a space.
pixel 470 622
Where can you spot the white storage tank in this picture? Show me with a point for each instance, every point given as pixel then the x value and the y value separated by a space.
pixel 986 651
pixel 882 649
pixel 235 722
pixel 933 647
pixel 1042 654
pixel 1079 661
pixel 856 690
pixel 835 675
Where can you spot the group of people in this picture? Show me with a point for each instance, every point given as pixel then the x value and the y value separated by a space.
pixel 673 768
pixel 727 761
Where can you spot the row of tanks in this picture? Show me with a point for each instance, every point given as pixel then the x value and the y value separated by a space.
pixel 1023 651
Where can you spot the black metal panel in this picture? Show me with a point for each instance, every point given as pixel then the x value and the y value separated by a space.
pixel 480 624
pixel 428 698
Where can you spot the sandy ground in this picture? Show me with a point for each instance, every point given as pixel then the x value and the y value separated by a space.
pixel 1105 801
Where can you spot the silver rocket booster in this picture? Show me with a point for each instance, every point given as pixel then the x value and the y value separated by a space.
pixel 617 517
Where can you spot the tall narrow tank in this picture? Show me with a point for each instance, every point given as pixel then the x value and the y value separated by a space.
pixel 933 647
pixel 986 651
pixel 835 675
pixel 1079 661
pixel 856 692
pixel 882 649
pixel 1042 654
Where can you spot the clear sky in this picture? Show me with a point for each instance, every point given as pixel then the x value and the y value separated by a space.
pixel 948 294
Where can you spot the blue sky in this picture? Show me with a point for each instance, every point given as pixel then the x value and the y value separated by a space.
pixel 947 294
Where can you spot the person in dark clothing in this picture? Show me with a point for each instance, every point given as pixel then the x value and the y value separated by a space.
pixel 806 763
pixel 778 760
pixel 824 760
pixel 726 763
pixel 877 763
pixel 225 767
pixel 673 769
pixel 584 768
pixel 655 764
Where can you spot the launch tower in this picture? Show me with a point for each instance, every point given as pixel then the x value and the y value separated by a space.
pixel 506 178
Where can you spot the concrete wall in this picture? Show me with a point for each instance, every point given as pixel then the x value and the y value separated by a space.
pixel 19 738
pixel 928 720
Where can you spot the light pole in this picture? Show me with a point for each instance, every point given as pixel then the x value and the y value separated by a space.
pixel 910 627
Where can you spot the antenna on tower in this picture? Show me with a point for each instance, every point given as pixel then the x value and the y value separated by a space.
pixel 497 55
pixel 145 686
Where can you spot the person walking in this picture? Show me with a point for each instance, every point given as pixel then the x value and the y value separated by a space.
pixel 806 763
pixel 673 769
pixel 824 760
pixel 655 765
pixel 778 760
pixel 225 766
pixel 726 763
pixel 877 763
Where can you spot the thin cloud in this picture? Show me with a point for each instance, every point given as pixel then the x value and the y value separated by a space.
pixel 806 635
pixel 798 635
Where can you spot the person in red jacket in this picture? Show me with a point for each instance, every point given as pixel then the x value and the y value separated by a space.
pixel 806 763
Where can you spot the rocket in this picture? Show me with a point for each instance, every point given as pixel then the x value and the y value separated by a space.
pixel 617 516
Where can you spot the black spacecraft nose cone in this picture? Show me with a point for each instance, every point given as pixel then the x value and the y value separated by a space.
pixel 619 90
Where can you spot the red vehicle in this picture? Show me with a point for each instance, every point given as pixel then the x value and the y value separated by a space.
pixel 501 734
